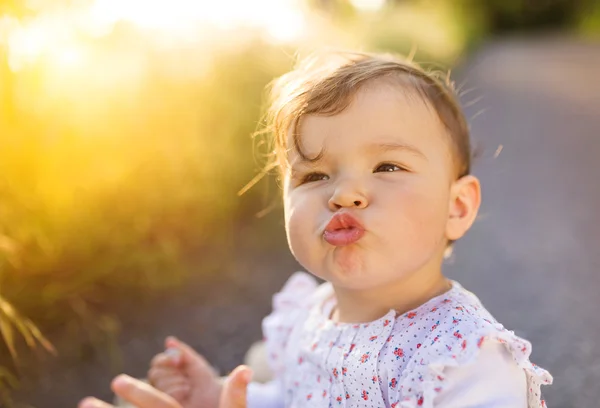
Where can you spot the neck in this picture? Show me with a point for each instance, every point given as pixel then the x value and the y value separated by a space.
pixel 359 306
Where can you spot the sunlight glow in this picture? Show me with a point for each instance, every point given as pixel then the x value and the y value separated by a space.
pixel 53 33
pixel 69 57
pixel 281 18
pixel 26 44
pixel 368 5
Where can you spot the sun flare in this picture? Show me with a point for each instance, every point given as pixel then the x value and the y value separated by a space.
pixel 57 34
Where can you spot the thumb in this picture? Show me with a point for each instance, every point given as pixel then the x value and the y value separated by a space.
pixel 235 388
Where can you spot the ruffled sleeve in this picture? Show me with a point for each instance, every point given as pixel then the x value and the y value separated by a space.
pixel 290 308
pixel 495 381
pixel 424 379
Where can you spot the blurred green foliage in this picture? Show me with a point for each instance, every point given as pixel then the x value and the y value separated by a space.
pixel 590 22
pixel 12 325
pixel 104 194
pixel 110 203
pixel 505 16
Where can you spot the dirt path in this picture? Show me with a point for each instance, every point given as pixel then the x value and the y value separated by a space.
pixel 534 256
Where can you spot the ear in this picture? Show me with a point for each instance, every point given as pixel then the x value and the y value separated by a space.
pixel 465 198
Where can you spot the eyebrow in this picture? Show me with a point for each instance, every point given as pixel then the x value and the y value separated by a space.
pixel 374 147
pixel 393 146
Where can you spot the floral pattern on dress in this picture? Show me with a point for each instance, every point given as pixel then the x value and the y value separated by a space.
pixel 396 361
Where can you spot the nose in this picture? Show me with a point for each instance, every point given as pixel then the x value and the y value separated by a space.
pixel 348 195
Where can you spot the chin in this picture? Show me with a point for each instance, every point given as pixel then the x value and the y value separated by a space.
pixel 355 283
pixel 347 261
pixel 349 274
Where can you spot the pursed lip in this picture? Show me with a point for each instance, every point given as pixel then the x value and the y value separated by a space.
pixel 343 229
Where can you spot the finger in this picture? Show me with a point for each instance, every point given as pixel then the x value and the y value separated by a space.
pixel 172 344
pixel 169 384
pixel 235 388
pixel 164 384
pixel 156 374
pixel 91 402
pixel 165 360
pixel 179 394
pixel 141 394
pixel 193 361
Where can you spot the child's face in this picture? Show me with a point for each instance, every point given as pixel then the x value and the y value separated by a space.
pixel 387 163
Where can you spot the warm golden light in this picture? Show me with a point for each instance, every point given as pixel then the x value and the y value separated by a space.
pixel 53 34
pixel 281 18
pixel 368 5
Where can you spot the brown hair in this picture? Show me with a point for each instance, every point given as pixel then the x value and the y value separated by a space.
pixel 325 84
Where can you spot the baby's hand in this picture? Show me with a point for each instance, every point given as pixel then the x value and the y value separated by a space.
pixel 138 393
pixel 185 375
pixel 166 375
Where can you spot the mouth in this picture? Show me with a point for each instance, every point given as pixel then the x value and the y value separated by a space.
pixel 342 230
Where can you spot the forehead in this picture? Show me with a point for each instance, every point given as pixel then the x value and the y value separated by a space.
pixel 378 113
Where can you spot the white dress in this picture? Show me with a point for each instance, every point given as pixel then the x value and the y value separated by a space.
pixel 448 352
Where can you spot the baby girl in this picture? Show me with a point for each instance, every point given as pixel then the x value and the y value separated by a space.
pixel 374 157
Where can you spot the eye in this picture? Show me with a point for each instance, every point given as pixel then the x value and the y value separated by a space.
pixel 312 177
pixel 387 167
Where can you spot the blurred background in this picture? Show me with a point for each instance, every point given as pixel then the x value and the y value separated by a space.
pixel 125 137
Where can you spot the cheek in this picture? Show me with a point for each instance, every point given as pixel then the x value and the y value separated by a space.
pixel 419 214
pixel 293 211
pixel 300 221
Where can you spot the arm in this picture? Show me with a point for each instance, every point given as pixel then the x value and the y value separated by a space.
pixel 494 381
